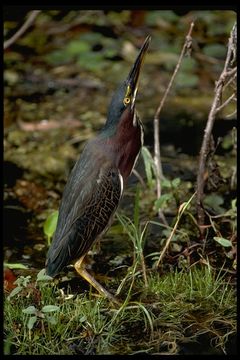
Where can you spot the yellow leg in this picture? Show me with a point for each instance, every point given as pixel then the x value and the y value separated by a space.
pixel 83 272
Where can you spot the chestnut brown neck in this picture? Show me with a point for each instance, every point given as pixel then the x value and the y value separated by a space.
pixel 127 142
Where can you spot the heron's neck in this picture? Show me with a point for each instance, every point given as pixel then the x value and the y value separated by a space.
pixel 126 144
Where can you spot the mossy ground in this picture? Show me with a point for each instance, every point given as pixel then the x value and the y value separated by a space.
pixel 174 310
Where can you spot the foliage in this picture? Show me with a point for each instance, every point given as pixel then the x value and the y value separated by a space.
pixel 14 266
pixel 137 234
pixel 173 187
pixel 168 309
pixel 149 166
pixel 50 225
pixel 54 71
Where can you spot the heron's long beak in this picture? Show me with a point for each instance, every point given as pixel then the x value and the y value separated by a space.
pixel 133 77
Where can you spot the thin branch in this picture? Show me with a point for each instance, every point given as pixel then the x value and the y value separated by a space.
pixel 157 156
pixel 232 97
pixel 231 78
pixel 231 71
pixel 139 177
pixel 32 16
pixel 185 48
pixel 232 114
pixel 227 71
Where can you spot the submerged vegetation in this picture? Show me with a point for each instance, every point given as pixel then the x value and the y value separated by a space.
pixel 176 280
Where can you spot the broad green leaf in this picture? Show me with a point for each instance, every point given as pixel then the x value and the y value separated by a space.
pixel 14 292
pixel 52 320
pixel 159 203
pixel 15 266
pixel 31 322
pixel 76 47
pixel 50 308
pixel 222 241
pixel 41 276
pixel 214 201
pixel 165 183
pixel 176 182
pixel 30 310
pixel 50 224
pixel 148 165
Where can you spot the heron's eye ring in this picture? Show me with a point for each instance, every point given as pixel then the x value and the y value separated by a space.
pixel 126 101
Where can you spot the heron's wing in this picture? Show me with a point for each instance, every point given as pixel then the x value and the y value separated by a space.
pixel 90 199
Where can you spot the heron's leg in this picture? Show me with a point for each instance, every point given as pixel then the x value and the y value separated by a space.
pixel 83 272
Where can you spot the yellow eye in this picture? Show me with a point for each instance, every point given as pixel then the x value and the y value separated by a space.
pixel 128 96
pixel 126 101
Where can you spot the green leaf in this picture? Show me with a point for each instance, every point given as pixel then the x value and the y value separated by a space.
pixel 166 232
pixel 222 241
pixel 215 50
pixel 93 61
pixel 165 183
pixel 23 281
pixel 76 47
pixel 14 292
pixel 57 57
pixel 52 320
pixel 50 308
pixel 155 17
pixel 30 310
pixel 82 319
pixel 31 322
pixel 186 79
pixel 50 224
pixel 159 203
pixel 148 164
pixel 214 201
pixel 41 276
pixel 15 266
pixel 176 182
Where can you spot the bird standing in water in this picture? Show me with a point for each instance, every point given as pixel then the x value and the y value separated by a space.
pixel 95 185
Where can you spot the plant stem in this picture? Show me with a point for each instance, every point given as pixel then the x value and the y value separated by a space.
pixel 215 108
pixel 157 155
pixel 32 16
pixel 181 210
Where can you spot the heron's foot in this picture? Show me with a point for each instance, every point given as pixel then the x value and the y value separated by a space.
pixel 91 280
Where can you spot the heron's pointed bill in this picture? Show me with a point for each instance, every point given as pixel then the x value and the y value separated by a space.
pixel 133 76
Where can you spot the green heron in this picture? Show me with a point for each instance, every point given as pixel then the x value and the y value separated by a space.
pixel 95 185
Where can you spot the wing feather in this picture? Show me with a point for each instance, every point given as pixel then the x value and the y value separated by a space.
pixel 89 201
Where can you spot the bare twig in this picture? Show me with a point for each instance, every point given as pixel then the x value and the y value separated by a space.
pixel 232 114
pixel 32 16
pixel 139 177
pixel 157 157
pixel 227 71
pixel 232 97
pixel 231 78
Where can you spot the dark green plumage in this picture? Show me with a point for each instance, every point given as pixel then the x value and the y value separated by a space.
pixel 89 200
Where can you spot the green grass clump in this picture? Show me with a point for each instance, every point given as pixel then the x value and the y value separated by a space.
pixel 173 309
